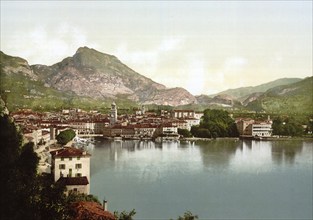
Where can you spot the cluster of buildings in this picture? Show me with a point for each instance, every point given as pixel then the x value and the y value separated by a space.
pixel 41 128
pixel 71 166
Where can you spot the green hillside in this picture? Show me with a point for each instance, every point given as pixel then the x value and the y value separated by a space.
pixel 296 98
pixel 242 93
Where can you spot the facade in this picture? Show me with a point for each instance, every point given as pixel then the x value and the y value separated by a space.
pixel 198 115
pixel 145 130
pixel 261 129
pixel 251 128
pixel 168 129
pixel 183 114
pixel 181 124
pixel 72 167
pixel 242 125
pixel 192 122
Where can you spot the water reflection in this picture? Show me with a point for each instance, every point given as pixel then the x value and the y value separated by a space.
pixel 285 151
pixel 218 153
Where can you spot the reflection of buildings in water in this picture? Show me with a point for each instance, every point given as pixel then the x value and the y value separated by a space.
pixel 247 143
pixel 218 153
pixel 146 145
pixel 286 151
pixel 117 148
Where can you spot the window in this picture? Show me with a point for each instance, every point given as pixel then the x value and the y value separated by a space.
pixel 78 158
pixel 62 166
pixel 78 166
pixel 62 158
pixel 78 175
pixel 70 158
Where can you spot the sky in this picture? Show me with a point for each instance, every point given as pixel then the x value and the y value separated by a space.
pixel 203 46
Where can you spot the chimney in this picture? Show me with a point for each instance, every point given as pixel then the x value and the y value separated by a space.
pixel 105 205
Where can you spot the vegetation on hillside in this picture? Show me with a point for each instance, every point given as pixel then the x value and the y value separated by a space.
pixel 296 98
pixel 243 92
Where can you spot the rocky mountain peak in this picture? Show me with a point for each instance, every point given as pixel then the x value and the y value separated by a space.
pixel 98 75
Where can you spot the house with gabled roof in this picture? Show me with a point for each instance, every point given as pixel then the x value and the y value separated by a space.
pixel 71 167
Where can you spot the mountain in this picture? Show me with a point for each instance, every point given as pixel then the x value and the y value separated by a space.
pixel 243 93
pixel 97 75
pixel 89 78
pixel 92 80
pixel 221 100
pixel 292 98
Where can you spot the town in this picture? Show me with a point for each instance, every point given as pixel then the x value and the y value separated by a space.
pixel 69 163
pixel 41 128
pixel 71 166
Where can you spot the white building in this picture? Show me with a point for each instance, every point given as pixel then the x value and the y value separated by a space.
pixel 192 122
pixel 261 129
pixel 71 166
pixel 249 127
pixel 183 114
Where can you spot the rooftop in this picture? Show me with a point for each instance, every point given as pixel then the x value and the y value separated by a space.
pixel 90 210
pixel 69 152
pixel 70 181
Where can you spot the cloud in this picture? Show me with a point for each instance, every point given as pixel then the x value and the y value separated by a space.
pixel 149 62
pixel 47 45
pixel 234 64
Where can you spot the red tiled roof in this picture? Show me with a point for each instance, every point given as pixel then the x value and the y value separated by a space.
pixel 69 152
pixel 70 181
pixel 89 210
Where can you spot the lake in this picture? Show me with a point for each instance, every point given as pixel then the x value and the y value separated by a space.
pixel 219 179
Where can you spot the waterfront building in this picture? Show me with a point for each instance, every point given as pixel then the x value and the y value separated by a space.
pixel 251 128
pixel 71 167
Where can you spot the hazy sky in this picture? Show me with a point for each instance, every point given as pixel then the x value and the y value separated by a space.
pixel 205 46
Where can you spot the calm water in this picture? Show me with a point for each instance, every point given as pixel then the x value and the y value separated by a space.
pixel 215 180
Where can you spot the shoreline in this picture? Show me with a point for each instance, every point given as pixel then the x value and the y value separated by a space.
pixel 220 138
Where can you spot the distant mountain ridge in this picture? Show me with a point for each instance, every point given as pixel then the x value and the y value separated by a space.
pixel 242 93
pixel 292 98
pixel 91 79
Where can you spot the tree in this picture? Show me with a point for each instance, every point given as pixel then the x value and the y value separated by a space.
pixel 77 197
pixel 184 132
pixel 287 126
pixel 219 123
pixel 65 136
pixel 125 215
pixel 25 194
pixel 188 216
